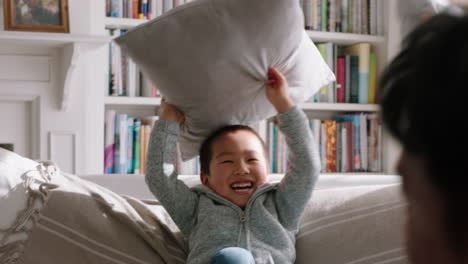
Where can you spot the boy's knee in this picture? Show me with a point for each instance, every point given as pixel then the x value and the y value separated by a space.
pixel 233 255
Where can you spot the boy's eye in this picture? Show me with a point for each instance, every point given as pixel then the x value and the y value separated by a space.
pixel 252 159
pixel 226 161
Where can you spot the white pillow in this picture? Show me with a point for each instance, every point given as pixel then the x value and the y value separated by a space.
pixel 210 59
pixel 13 194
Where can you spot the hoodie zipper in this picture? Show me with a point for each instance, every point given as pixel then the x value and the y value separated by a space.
pixel 242 213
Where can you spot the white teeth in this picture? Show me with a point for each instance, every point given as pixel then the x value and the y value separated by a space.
pixel 241 185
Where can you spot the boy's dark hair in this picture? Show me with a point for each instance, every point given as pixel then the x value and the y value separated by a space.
pixel 421 94
pixel 205 149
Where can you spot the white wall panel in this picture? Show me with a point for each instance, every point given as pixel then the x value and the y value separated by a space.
pixel 24 68
pixel 15 120
pixel 62 150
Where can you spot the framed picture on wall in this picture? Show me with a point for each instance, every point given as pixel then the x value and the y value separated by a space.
pixel 36 15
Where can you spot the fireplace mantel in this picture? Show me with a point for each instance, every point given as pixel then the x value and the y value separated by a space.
pixel 70 48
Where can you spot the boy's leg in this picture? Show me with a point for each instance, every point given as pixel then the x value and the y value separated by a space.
pixel 233 255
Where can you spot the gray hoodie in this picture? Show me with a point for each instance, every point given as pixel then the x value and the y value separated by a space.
pixel 268 224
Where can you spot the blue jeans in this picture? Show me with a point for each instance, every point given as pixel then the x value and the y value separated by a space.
pixel 233 255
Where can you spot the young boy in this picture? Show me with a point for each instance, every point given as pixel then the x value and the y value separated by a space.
pixel 236 216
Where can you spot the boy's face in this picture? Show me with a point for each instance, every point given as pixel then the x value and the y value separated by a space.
pixel 237 167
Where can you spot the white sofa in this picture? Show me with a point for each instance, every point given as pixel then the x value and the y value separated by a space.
pixel 353 219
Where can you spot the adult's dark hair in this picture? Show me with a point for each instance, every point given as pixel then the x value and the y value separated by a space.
pixel 206 147
pixel 423 105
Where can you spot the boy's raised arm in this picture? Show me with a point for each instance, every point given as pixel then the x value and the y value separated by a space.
pixel 296 187
pixel 161 174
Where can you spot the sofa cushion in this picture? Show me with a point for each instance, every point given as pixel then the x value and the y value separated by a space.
pixel 356 224
pixel 61 218
pixel 210 59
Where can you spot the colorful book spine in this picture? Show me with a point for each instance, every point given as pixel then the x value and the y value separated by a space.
pixel 136 146
pixel 116 8
pixel 323 92
pixel 332 15
pixel 149 9
pixel 350 16
pixel 330 130
pixel 347 78
pixel 144 8
pixel 135 9
pixel 340 80
pixel 331 61
pixel 349 146
pixel 356 143
pixel 147 139
pixel 354 80
pixel 109 128
pixel 324 15
pixel 362 50
pixel 344 15
pixel 108 8
pixel 129 147
pixel 372 77
pixel 307 8
pixel 373 142
pixel 143 129
pixel 120 150
pixel 129 9
pixel 344 148
pixel 339 146
pixel 364 17
pixel 323 145
pixel 363 141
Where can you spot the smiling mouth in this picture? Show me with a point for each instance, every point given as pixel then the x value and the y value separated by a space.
pixel 242 187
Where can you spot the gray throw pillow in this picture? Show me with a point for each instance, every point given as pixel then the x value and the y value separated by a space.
pixel 210 59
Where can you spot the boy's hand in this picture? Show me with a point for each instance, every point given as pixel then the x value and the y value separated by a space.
pixel 277 91
pixel 169 112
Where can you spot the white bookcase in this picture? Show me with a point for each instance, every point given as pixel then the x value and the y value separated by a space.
pixel 384 47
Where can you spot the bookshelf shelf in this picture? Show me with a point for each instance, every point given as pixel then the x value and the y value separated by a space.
pixel 125 100
pixel 344 38
pixel 337 107
pixel 123 23
pixel 334 107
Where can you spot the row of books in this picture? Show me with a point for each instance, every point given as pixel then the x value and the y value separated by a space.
pixel 126 141
pixel 125 78
pixel 347 143
pixel 126 145
pixel 355 69
pixel 348 16
pixel 140 9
